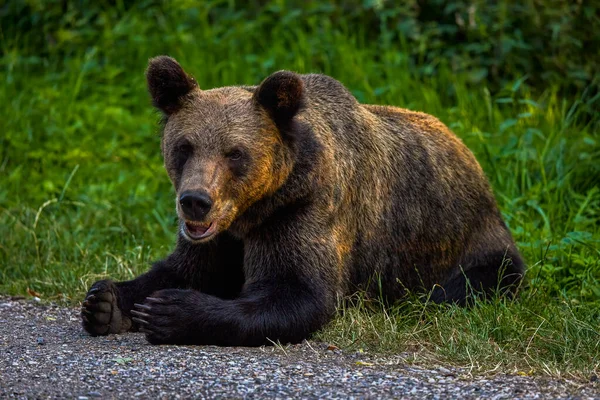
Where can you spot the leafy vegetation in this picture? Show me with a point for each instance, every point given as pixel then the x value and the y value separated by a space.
pixel 83 193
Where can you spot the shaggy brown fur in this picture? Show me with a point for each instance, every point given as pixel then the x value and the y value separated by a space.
pixel 292 194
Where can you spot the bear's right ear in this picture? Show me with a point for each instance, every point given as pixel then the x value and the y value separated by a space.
pixel 282 95
pixel 168 83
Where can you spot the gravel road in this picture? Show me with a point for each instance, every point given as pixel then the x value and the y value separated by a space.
pixel 45 354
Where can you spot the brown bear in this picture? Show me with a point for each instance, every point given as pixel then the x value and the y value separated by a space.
pixel 291 195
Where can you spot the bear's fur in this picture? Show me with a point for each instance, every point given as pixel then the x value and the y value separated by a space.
pixel 298 195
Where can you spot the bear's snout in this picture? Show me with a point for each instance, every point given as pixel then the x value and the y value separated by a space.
pixel 195 204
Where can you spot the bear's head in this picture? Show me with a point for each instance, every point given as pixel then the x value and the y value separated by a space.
pixel 224 149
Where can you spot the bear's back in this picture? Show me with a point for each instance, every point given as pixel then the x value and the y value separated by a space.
pixel 406 190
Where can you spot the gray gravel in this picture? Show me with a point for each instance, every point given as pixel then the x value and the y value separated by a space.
pixel 45 354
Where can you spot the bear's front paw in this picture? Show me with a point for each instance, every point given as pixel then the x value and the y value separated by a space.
pixel 167 316
pixel 100 313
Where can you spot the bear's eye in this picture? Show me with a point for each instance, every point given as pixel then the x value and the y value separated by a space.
pixel 238 161
pixel 235 155
pixel 181 154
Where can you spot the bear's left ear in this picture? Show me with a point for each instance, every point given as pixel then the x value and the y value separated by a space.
pixel 168 83
pixel 282 95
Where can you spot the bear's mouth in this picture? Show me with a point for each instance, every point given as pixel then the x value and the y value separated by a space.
pixel 197 230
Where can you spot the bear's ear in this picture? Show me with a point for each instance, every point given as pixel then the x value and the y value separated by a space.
pixel 282 95
pixel 168 83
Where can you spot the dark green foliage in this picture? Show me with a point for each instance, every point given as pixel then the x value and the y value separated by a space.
pixel 550 42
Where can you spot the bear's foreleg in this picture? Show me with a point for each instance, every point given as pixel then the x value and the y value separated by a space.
pixel 290 292
pixel 266 312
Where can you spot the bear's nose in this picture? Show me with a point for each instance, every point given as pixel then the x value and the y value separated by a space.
pixel 195 205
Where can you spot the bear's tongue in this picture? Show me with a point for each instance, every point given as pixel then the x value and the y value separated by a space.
pixel 196 230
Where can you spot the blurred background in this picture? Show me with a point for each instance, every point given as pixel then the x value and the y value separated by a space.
pixel 83 193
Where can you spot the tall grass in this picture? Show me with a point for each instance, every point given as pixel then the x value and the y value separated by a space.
pixel 83 193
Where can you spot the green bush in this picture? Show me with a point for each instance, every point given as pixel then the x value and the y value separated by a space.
pixel 548 41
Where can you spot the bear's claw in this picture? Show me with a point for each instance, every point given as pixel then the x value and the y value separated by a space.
pixel 163 316
pixel 142 306
pixel 100 313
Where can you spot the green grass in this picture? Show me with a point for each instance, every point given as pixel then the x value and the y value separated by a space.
pixel 83 193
